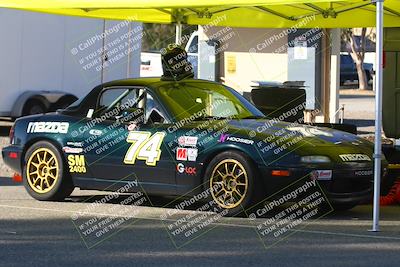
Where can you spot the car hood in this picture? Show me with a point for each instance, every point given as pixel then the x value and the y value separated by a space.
pixel 321 136
pixel 279 138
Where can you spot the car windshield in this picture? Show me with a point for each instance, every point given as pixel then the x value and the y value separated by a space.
pixel 201 100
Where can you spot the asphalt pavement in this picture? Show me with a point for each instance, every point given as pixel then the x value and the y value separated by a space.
pixel 34 233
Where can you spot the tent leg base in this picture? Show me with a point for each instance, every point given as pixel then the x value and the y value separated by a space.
pixel 374 230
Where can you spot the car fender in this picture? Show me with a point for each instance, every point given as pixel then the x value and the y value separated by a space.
pixel 207 157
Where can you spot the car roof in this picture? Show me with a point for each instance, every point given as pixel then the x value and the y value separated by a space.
pixel 132 81
pixel 152 82
pixel 147 81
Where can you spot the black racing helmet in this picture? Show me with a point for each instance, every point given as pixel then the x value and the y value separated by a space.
pixel 175 63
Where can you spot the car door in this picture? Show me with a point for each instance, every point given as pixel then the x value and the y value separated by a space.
pixel 133 142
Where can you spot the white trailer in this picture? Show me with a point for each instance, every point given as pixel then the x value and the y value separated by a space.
pixel 48 61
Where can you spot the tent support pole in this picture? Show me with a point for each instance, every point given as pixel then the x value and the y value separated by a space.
pixel 334 81
pixel 178 32
pixel 378 112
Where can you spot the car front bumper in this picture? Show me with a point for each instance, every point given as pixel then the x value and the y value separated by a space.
pixel 344 186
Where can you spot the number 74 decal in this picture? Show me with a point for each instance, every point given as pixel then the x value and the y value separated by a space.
pixel 144 147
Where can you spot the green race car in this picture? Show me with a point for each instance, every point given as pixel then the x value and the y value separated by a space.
pixel 180 138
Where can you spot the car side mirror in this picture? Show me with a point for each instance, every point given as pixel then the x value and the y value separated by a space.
pixel 155 117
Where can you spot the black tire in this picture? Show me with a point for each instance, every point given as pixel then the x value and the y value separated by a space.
pixel 33 107
pixel 61 187
pixel 64 102
pixel 344 206
pixel 231 157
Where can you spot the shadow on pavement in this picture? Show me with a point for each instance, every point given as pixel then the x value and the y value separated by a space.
pixel 361 212
pixel 156 201
pixel 7 181
pixel 56 241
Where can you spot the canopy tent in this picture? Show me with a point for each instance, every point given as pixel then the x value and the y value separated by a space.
pixel 237 13
pixel 247 13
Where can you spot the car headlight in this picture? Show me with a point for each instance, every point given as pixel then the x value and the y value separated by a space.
pixel 315 159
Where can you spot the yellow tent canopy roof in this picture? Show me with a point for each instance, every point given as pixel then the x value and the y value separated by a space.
pixel 234 13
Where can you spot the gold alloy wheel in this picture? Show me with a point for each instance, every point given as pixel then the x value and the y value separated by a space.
pixel 42 170
pixel 229 183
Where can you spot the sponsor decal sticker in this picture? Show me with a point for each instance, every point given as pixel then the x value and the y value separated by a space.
pixel 95 132
pixel 364 173
pixel 186 170
pixel 76 163
pixel 355 157
pixel 187 140
pixel 48 127
pixel 223 138
pixel 192 154
pixel 357 143
pixel 72 150
pixel 75 144
pixel 310 131
pixel 181 153
pixel 322 175
pixel 227 137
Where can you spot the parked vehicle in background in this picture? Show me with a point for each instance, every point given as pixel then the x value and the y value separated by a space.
pixel 348 69
pixel 48 61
